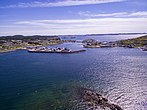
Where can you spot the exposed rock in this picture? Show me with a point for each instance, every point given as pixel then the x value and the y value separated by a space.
pixel 92 100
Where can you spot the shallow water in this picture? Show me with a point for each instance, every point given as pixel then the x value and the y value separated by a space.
pixel 32 81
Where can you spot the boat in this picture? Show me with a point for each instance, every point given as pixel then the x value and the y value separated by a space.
pixel 144 48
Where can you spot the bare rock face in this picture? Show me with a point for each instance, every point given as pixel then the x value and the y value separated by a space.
pixel 90 100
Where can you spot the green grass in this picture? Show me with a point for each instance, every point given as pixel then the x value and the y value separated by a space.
pixel 135 42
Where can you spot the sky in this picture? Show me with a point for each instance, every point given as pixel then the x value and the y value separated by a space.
pixel 72 17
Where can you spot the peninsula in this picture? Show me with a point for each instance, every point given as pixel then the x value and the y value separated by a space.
pixel 134 43
pixel 140 42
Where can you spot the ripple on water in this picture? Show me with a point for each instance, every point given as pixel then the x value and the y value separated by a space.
pixel 118 74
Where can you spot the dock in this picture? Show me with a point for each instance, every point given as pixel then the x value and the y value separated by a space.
pixel 53 50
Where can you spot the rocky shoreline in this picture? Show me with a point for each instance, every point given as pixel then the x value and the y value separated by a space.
pixel 94 101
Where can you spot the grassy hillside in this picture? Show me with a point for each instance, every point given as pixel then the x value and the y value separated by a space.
pixel 135 42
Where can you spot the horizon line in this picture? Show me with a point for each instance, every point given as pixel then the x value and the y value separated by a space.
pixel 125 33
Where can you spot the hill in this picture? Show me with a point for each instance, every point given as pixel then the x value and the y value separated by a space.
pixel 135 42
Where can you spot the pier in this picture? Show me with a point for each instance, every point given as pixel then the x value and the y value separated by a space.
pixel 53 50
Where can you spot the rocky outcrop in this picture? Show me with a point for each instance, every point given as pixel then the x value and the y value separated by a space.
pixel 94 101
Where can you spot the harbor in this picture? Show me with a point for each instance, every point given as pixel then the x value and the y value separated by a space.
pixel 43 49
pixel 43 77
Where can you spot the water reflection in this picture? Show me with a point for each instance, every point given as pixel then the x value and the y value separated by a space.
pixel 39 81
pixel 121 79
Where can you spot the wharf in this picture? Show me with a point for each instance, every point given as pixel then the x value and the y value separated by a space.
pixel 53 50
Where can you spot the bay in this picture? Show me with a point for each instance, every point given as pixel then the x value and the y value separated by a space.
pixel 32 81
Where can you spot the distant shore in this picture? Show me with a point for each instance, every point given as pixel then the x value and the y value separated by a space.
pixel 12 43
pixel 140 42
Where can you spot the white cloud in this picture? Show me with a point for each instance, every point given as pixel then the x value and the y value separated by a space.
pixel 119 14
pixel 60 3
pixel 138 14
pixel 77 26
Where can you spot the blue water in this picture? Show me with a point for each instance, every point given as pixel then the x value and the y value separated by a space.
pixel 32 81
pixel 102 37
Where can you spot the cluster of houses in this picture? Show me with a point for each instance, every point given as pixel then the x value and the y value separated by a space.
pixel 11 44
pixel 91 43
pixel 43 49
pixel 20 42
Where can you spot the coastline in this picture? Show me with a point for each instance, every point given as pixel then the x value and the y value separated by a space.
pixel 25 48
pixel 11 44
pixel 94 59
pixel 7 51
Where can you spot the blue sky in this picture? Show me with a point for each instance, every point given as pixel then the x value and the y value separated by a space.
pixel 54 17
